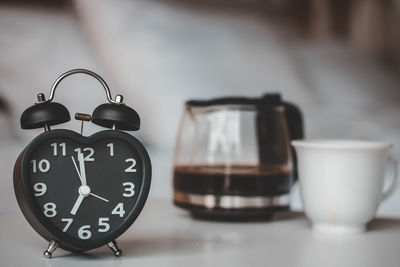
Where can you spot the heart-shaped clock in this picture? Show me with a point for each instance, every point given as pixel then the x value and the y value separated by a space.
pixel 81 192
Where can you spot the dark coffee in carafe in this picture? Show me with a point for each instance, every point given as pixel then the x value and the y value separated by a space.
pixel 234 180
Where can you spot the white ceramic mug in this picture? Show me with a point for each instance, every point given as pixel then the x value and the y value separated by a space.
pixel 341 182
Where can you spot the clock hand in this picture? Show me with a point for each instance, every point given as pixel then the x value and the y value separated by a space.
pixel 99 197
pixel 80 177
pixel 77 204
pixel 82 168
pixel 83 191
pixel 76 168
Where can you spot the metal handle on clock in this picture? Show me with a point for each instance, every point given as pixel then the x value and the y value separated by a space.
pixel 88 72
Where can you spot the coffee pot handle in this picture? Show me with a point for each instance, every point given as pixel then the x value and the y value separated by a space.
pixel 395 179
pixel 296 129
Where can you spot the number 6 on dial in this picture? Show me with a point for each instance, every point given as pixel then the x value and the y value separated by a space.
pixel 84 232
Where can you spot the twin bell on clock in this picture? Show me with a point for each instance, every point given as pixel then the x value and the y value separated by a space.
pixel 78 192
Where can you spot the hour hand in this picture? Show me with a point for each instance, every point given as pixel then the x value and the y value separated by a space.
pixel 77 204
pixel 83 191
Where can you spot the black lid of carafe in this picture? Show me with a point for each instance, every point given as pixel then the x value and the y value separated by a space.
pixel 271 98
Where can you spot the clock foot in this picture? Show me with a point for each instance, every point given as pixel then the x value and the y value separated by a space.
pixel 113 246
pixel 53 245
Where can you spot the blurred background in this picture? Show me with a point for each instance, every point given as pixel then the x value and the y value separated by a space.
pixel 338 60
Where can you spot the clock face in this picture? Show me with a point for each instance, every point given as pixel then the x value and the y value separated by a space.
pixel 86 191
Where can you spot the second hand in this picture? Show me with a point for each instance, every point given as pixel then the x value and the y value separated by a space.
pixel 99 197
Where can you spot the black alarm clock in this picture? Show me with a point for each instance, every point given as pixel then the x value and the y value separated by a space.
pixel 81 192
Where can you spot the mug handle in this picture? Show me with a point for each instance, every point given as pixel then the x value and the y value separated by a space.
pixel 395 179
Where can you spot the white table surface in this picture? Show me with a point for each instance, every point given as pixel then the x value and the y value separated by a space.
pixel 165 236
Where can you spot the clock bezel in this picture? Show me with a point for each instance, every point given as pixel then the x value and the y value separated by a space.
pixel 41 223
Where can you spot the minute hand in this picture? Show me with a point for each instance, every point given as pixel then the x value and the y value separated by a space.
pixel 82 168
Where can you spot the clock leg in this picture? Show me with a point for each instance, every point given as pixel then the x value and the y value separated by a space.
pixel 53 245
pixel 113 246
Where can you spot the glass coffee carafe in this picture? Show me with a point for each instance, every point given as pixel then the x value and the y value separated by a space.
pixel 233 159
